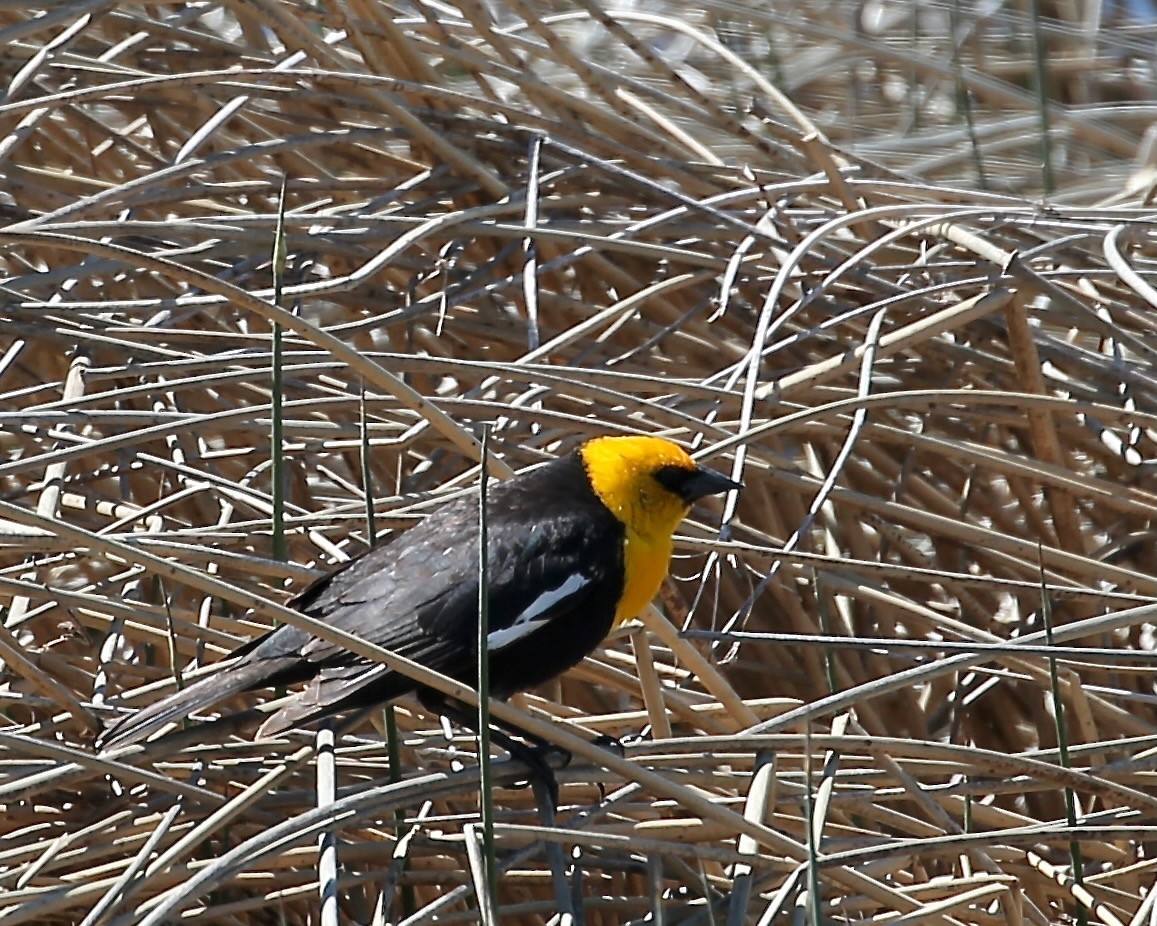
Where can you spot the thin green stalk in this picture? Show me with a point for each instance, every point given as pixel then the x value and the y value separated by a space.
pixel 394 753
pixel 913 77
pixel 1041 80
pixel 964 95
pixel 1062 742
pixel 486 905
pixel 813 868
pixel 277 435
pixel 170 631
pixel 825 622
pixel 389 717
pixel 367 477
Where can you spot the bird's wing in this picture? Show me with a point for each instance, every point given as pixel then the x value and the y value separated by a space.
pixel 378 595
pixel 422 602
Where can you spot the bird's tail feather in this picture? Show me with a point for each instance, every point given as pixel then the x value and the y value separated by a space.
pixel 196 697
pixel 335 690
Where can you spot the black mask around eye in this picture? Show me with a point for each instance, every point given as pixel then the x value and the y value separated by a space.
pixel 693 484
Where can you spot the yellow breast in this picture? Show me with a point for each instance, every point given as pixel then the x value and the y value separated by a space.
pixel 646 561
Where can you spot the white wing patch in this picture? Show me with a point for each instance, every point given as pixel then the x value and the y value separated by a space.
pixel 532 618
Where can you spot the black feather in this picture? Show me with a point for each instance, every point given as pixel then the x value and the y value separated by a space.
pixel 418 596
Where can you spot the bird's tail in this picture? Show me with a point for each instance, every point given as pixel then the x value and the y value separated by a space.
pixel 196 697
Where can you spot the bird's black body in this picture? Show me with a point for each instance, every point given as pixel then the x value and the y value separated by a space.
pixel 556 529
pixel 574 546
pixel 555 564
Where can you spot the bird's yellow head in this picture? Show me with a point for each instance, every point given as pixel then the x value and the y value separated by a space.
pixel 648 482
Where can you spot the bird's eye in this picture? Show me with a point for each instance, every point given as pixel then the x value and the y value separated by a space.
pixel 674 479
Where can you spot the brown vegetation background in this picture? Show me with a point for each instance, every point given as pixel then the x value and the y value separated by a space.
pixel 894 263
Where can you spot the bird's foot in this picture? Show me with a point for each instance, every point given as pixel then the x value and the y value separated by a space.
pixel 610 744
pixel 537 759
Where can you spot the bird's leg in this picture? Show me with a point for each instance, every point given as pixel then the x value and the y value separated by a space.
pixel 532 751
pixel 534 757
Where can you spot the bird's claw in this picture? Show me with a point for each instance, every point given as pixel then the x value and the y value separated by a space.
pixel 537 761
pixel 610 744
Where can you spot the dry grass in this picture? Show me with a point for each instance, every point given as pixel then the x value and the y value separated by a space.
pixel 938 392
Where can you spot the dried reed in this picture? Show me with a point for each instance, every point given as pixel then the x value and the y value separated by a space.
pixel 915 680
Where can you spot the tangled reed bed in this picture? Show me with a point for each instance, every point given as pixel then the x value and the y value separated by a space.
pixel 938 392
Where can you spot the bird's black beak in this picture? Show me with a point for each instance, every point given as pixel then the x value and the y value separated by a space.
pixel 694 484
pixel 708 482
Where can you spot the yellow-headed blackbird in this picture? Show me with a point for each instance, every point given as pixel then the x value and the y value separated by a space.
pixel 576 547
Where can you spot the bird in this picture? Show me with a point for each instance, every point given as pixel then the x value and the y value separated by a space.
pixel 576 547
